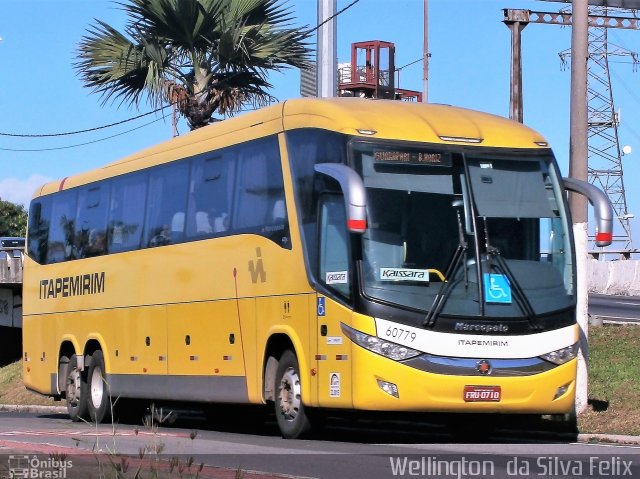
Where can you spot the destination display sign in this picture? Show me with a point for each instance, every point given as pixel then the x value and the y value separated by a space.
pixel 413 157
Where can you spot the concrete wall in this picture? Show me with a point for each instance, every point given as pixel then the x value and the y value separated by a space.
pixel 614 277
pixel 10 270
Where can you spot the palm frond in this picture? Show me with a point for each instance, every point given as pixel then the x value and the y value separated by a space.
pixel 209 55
pixel 110 64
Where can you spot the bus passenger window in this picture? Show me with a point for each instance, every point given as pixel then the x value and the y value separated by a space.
pixel 167 196
pixel 91 222
pixel 210 195
pixel 126 213
pixel 39 214
pixel 253 191
pixel 260 201
pixel 62 229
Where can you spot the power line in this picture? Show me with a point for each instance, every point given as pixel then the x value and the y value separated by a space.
pixel 409 64
pixel 333 16
pixel 68 133
pixel 83 144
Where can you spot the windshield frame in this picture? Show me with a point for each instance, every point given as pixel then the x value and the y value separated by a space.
pixel 478 153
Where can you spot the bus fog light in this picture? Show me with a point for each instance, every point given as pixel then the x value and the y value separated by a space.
pixel 561 391
pixel 377 345
pixel 563 355
pixel 390 388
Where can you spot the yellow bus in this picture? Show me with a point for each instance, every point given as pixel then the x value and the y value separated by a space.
pixel 319 253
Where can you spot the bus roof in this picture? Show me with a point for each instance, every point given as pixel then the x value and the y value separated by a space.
pixel 387 119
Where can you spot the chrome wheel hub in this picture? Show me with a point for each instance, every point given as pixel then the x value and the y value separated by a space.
pixel 289 394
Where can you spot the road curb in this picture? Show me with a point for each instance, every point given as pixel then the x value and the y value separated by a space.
pixel 33 409
pixel 609 438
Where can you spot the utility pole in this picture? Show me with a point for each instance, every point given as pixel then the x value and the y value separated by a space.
pixel 578 154
pixel 578 143
pixel 327 49
pixel 516 20
pixel 425 85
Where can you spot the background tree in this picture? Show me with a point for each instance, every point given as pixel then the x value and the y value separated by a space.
pixel 204 55
pixel 13 219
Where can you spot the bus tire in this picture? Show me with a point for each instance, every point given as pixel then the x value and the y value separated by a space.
pixel 98 399
pixel 76 391
pixel 291 415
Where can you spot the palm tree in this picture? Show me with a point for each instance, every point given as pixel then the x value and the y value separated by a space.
pixel 205 56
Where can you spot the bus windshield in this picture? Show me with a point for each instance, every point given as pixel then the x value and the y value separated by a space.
pixel 440 221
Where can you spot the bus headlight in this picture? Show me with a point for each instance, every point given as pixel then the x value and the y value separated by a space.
pixel 563 355
pixel 394 351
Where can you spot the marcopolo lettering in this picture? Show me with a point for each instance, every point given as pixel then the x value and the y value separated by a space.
pixel 91 283
pixel 481 327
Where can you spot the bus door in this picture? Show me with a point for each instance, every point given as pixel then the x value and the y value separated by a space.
pixel 334 352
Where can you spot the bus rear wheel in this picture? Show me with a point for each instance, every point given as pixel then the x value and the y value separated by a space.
pixel 291 415
pixel 76 391
pixel 99 398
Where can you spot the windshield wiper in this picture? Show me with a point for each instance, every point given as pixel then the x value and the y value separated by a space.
pixel 447 285
pixel 502 267
pixel 446 288
pixel 518 294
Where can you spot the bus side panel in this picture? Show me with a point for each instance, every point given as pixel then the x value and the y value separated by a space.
pixel 40 355
pixel 137 340
pixel 289 315
pixel 205 339
pixel 334 353
pixel 252 359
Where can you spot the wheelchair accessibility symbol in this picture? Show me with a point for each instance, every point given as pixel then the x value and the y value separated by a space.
pixel 322 311
pixel 497 289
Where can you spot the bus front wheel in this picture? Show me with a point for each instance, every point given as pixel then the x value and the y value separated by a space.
pixel 291 415
pixel 99 398
pixel 76 391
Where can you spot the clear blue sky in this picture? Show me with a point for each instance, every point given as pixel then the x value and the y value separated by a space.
pixel 470 47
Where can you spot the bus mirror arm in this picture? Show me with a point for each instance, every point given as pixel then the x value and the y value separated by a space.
pixel 354 194
pixel 603 211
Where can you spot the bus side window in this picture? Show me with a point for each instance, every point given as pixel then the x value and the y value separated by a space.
pixel 260 201
pixel 334 247
pixel 168 186
pixel 209 207
pixel 126 213
pixel 62 230
pixel 39 217
pixel 253 193
pixel 91 222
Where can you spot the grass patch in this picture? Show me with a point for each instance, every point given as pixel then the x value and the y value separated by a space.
pixel 12 390
pixel 614 381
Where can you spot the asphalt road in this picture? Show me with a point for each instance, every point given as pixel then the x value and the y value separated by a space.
pixel 615 309
pixel 348 448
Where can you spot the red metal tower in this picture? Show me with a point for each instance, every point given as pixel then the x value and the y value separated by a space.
pixel 371 73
